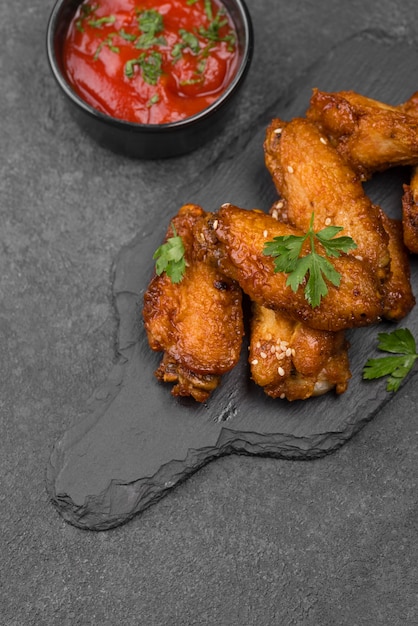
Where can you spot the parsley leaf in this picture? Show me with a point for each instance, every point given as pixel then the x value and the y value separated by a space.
pixel 85 11
pixel 106 42
pixel 150 23
pixel 286 251
pixel 102 21
pixel 169 258
pixel 188 40
pixel 151 66
pixel 400 342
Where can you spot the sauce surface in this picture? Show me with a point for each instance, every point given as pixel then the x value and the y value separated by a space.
pixel 150 61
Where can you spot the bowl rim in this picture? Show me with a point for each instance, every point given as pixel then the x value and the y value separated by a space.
pixel 248 48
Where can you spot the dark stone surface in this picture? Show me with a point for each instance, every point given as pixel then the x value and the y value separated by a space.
pixel 138 442
pixel 244 540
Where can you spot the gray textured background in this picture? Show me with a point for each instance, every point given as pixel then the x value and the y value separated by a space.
pixel 245 540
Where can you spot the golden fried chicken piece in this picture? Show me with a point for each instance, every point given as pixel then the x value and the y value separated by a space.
pixel 233 240
pixel 311 177
pixel 399 298
pixel 410 213
pixel 371 136
pixel 198 322
pixel 290 360
pixel 410 106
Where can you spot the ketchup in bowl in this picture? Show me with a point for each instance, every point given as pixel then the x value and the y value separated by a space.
pixel 150 61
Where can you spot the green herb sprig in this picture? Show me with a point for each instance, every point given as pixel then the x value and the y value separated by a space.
pixel 400 342
pixel 169 258
pixel 85 11
pixel 286 251
pixel 109 43
pixel 151 66
pixel 150 23
pixel 102 21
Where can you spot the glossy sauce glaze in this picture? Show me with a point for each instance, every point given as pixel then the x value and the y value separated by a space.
pixel 150 61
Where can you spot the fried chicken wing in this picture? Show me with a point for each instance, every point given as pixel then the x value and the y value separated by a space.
pixel 197 323
pixel 399 298
pixel 410 213
pixel 233 240
pixel 371 136
pixel 290 360
pixel 311 177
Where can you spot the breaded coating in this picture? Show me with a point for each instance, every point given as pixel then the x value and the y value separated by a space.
pixel 290 360
pixel 371 136
pixel 410 213
pixel 318 164
pixel 198 323
pixel 399 299
pixel 310 176
pixel 233 240
pixel 410 106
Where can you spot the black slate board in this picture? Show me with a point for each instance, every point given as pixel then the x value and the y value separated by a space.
pixel 136 441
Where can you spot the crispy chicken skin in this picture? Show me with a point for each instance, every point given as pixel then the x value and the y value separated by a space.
pixel 290 360
pixel 410 213
pixel 410 106
pixel 318 164
pixel 399 299
pixel 233 240
pixel 310 176
pixel 371 136
pixel 198 322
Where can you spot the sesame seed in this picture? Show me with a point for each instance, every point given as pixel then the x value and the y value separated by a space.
pixel 288 352
pixel 278 131
pixel 254 362
pixel 280 356
pixel 282 396
pixel 263 355
pixel 275 214
pixel 268 336
pixel 280 371
pixel 279 204
pixel 290 169
pixel 258 344
pixel 225 205
pixel 323 140
pixel 293 352
pixel 359 257
pixel 273 349
pixel 215 224
pixel 328 221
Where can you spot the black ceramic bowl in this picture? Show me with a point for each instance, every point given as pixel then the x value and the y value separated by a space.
pixel 150 141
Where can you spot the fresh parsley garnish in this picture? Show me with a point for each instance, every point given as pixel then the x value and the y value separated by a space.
pixel 149 39
pixel 150 65
pixel 286 251
pixel 150 23
pixel 109 43
pixel 188 40
pixel 169 258
pixel 153 100
pixel 102 21
pixel 400 342
pixel 85 11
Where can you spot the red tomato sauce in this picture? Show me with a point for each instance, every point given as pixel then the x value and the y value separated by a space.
pixel 150 61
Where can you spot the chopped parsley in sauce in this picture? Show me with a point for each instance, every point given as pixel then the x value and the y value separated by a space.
pixel 150 61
